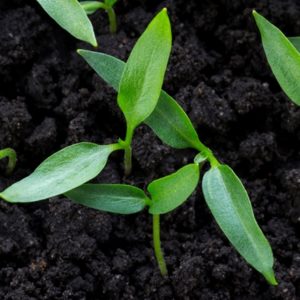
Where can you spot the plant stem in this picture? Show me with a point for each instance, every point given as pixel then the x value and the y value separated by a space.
pixel 12 159
pixel 112 19
pixel 207 153
pixel 157 246
pixel 127 150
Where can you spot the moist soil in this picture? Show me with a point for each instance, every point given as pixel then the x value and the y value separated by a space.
pixel 49 98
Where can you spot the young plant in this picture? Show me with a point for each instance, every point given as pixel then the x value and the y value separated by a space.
pixel 165 194
pixel 12 159
pixel 223 191
pixel 283 56
pixel 72 16
pixel 139 91
pixel 91 7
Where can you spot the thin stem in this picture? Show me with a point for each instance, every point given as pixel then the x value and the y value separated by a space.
pixel 112 19
pixel 128 150
pixel 12 159
pixel 157 246
pixel 91 6
pixel 207 153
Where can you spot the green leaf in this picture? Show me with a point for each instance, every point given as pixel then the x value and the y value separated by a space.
pixel 115 198
pixel 144 71
pixel 282 56
pixel 61 172
pixel 168 120
pixel 172 125
pixel 70 15
pixel 296 42
pixel 169 192
pixel 231 207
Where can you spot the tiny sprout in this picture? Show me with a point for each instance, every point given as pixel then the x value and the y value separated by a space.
pixel 12 159
pixel 283 56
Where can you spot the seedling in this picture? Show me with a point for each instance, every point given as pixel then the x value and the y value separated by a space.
pixel 139 83
pixel 72 16
pixel 223 191
pixel 283 56
pixel 12 159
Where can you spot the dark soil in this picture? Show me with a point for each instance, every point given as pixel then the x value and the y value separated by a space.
pixel 50 98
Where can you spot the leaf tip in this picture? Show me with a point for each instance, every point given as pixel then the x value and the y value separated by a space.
pixel 270 277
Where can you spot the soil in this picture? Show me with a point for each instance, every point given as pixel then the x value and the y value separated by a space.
pixel 50 98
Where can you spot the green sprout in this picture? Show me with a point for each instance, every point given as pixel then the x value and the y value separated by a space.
pixel 283 56
pixel 223 191
pixel 138 83
pixel 72 16
pixel 12 159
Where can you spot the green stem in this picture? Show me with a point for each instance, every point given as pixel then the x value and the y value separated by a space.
pixel 112 19
pixel 128 150
pixel 157 246
pixel 207 153
pixel 91 6
pixel 12 159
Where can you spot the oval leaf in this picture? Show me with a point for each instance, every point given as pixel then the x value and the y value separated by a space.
pixel 168 120
pixel 169 192
pixel 144 71
pixel 70 15
pixel 59 173
pixel 282 56
pixel 231 207
pixel 115 198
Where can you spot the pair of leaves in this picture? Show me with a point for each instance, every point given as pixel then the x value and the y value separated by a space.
pixel 223 191
pixel 168 120
pixel 283 56
pixel 166 193
pixel 71 16
pixel 61 172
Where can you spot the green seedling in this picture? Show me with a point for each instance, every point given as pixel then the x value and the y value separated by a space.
pixel 165 194
pixel 283 56
pixel 91 7
pixel 12 159
pixel 72 16
pixel 139 91
pixel 223 191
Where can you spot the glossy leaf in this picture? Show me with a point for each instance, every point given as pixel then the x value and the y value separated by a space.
pixel 143 75
pixel 231 207
pixel 115 198
pixel 282 56
pixel 169 192
pixel 59 173
pixel 296 42
pixel 168 120
pixel 70 15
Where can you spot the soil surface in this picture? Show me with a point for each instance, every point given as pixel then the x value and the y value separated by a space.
pixel 50 98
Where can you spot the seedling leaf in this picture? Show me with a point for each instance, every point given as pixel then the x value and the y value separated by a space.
pixel 70 15
pixel 168 120
pixel 114 198
pixel 282 56
pixel 231 207
pixel 59 173
pixel 144 71
pixel 169 192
